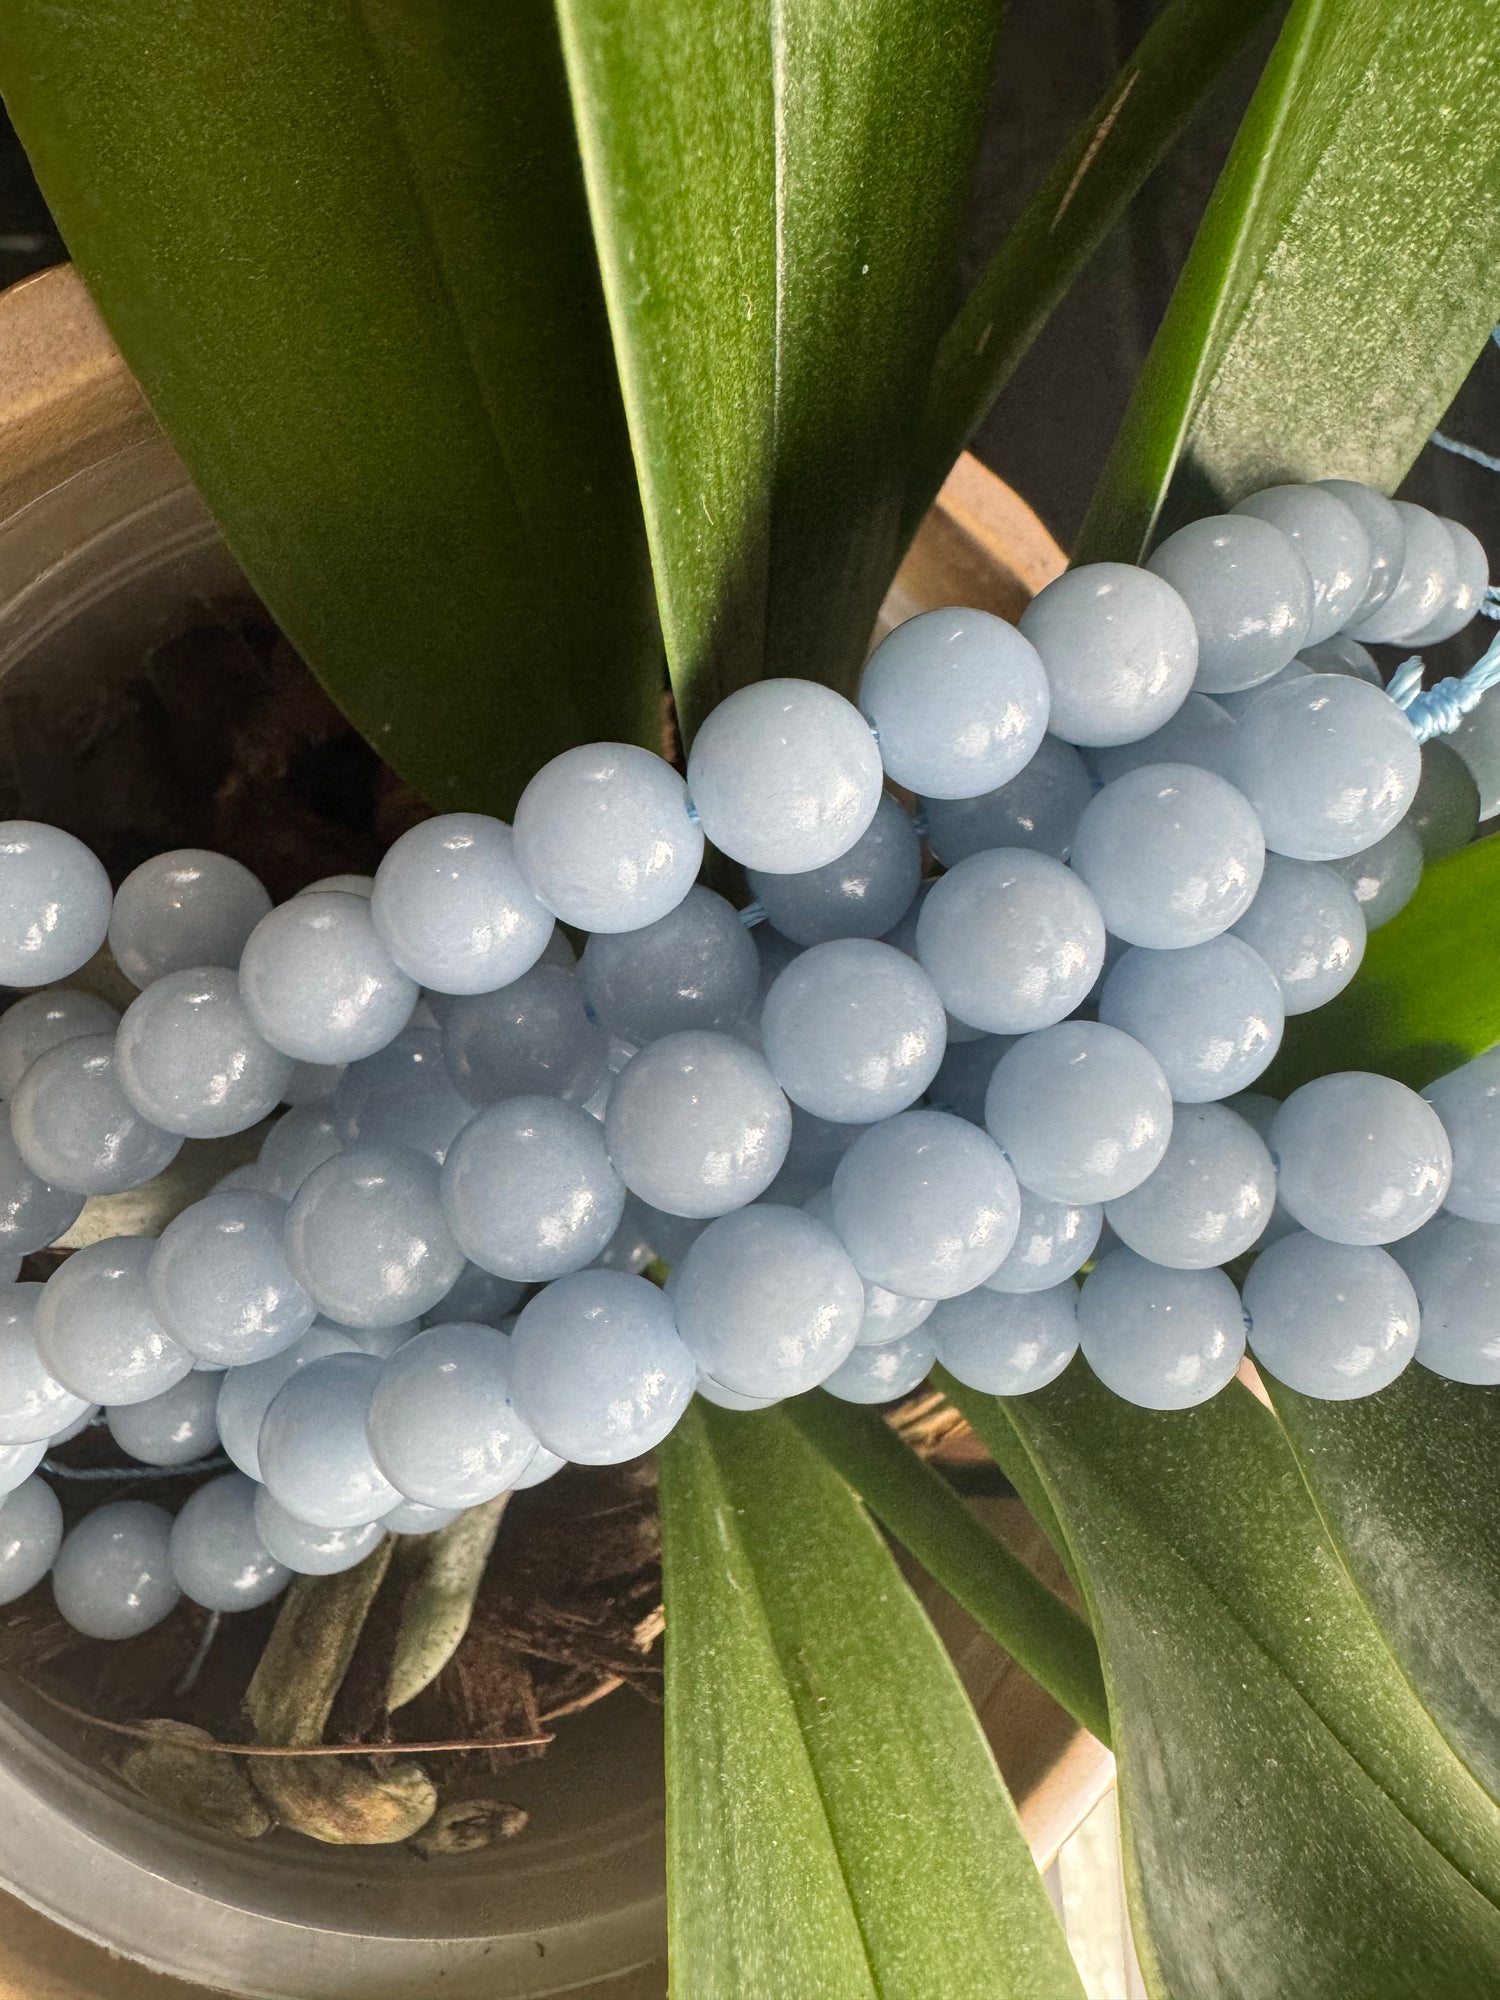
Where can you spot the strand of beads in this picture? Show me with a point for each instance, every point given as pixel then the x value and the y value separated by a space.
pixel 869 1121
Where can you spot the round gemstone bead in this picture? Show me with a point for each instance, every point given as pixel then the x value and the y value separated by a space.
pixel 696 967
pixel 881 1374
pixel 177 1427
pixel 597 1368
pixel 925 1205
pixel 31 1533
pixel 1384 532
pixel 97 1330
pixel 1249 594
pixel 605 839
pixel 1383 878
pixel 189 1058
pixel 319 984
pixel 1211 1014
pixel 964 1076
pixel 54 903
pixel 528 1190
pixel 33 1213
pixel 1082 1112
pixel 1011 940
pixel 853 1031
pixel 1161 1338
pixel 75 1128
pixel 1120 650
pixel 1341 655
pixel 1330 1319
pixel 730 1399
pixel 310 1551
pixel 1329 764
pixel 220 1281
pixel 477 1298
pixel 1477 741
pixel 442 1425
pixel 1199 733
pixel 1467 1100
pixel 1210 1198
pixel 453 908
pixel 816 1149
pixel 183 909
pixel 245 1394
pixel 403 1096
pixel 41 1021
pixel 34 1405
pixel 958 700
pixel 1173 855
pixel 1467 595
pixel 1429 575
pixel 1454 1268
pixel 1444 815
pixel 18 1462
pixel 1360 1159
pixel 767 1301
pixel 1037 809
pixel 1330 538
pixel 412 1518
pixel 217 1554
pixel 861 895
pixel 366 1237
pixel 1307 925
pixel 785 776
pixel 313 1083
pixel 294 1146
pixel 314 1455
pixel 1007 1343
pixel 113 1576
pixel 344 885
pixel 1053 1240
pixel 533 1037
pixel 697 1125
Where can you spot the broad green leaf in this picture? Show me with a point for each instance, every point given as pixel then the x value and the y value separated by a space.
pixel 1039 1631
pixel 777 189
pixel 1405 1482
pixel 346 250
pixel 1426 997
pixel 836 1826
pixel 1295 1822
pixel 1094 179
pixel 1345 276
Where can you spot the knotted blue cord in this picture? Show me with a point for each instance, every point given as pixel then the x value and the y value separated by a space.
pixel 752 914
pixel 1462 450
pixel 216 1462
pixel 1437 711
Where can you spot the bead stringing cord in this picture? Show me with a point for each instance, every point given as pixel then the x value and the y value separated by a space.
pixel 1462 450
pixel 1437 711
pixel 751 915
pixel 55 1470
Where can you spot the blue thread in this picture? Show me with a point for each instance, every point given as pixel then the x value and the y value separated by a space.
pixel 751 915
pixel 1462 450
pixel 216 1462
pixel 1437 711
pixel 872 729
pixel 921 823
pixel 692 811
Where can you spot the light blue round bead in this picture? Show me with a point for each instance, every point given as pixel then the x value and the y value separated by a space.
pixel 1444 815
pixel 75 1128
pixel 886 1315
pixel 54 903
pixel 41 1021
pixel 1037 809
pixel 1470 585
pixel 1007 1343
pixel 113 1576
pixel 1329 764
pixel 1249 594
pixel 188 1057
pixel 1331 540
pixel 604 838
pixel 478 1298
pixel 1236 705
pixel 245 1394
pixel 310 1551
pixel 533 1037
pixel 1173 855
pixel 382 1341
pixel 853 1031
pixel 34 1405
pixel 1308 927
pixel 33 1213
pixel 296 1144
pixel 1386 536
pixel 314 1454
pixel 964 1076
pixel 1199 733
pixel 453 908
pixel 1454 1268
pixel 1082 1112
pixel 31 1533
pixel 1467 1100
pixel 442 1425
pixel 785 776
pixel 861 895
pixel 881 1374
pixel 1011 940
pixel 767 1301
pixel 343 885
pixel 1211 1014
pixel 412 1518
pixel 925 1205
pixel 366 1237
pixel 402 1096
pixel 187 908
pixel 18 1462
pixel 1053 1240
pixel 543 1466
pixel 1341 655
pixel 1477 741
pixel 1119 647
pixel 1429 575
pixel 312 1083
pixel 1208 1201
pixel 220 1281
pixel 177 1427
pixel 528 1190
pixel 1330 1320
pixel 818 1144
pixel 597 1368
pixel 697 1125
pixel 958 700
pixel 217 1554
pixel 1360 1159
pixel 97 1330
pixel 319 984
pixel 696 967
pixel 1163 1339
pixel 1383 878
pixel 731 1399
pixel 1258 1111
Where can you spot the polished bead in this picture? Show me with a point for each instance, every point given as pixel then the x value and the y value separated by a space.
pixel 925 1205
pixel 178 1427
pixel 189 1058
pixel 216 1550
pixel 75 1128
pixel 40 1021
pixel 1467 1100
pixel 453 908
pixel 186 908
pixel 1249 594
pixel 1210 1198
pixel 853 1031
pixel 1329 764
pixel 1307 925
pixel 1173 855
pixel 1330 1320
pixel 1007 1343
pixel 97 1330
pixel 34 1406
pixel 1211 1014
pixel 442 1425
pixel 31 1533
pixel 1011 940
pixel 1082 1112
pixel 958 700
pixel 1359 1158
pixel 1161 1338
pixel 318 982
pixel 535 1036
pixel 528 1191
pixel 597 1368
pixel 1120 651
pixel 860 895
pixel 604 837
pixel 1330 538
pixel 314 1455
pixel 366 1237
pixel 696 967
pixel 54 903
pixel 697 1125
pixel 113 1576
pixel 221 1284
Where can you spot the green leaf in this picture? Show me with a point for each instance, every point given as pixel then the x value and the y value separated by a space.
pixel 1295 1822
pixel 346 250
pixel 777 192
pixel 835 1823
pixel 1039 1631
pixel 1426 997
pixel 1405 1483
pixel 1344 278
pixel 1093 181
